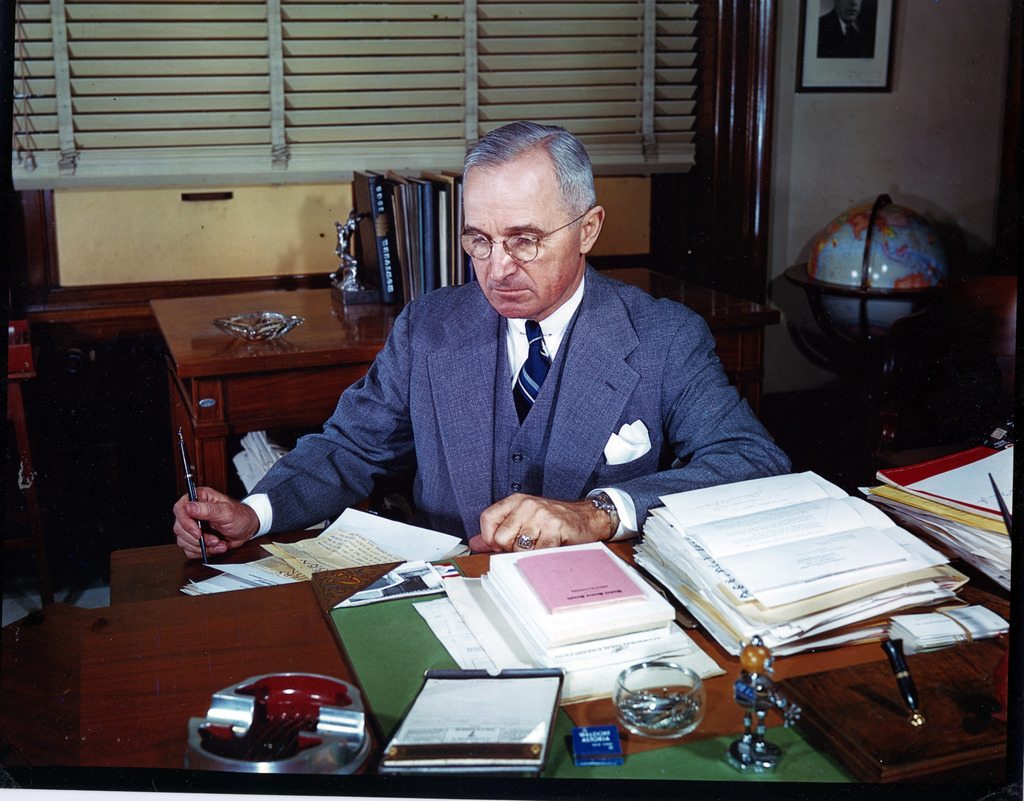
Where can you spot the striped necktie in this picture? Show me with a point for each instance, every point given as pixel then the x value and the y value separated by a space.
pixel 531 376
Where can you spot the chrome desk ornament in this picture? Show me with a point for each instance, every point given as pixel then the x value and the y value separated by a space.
pixel 756 692
pixel 345 282
pixel 281 723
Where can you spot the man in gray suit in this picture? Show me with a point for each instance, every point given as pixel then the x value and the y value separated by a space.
pixel 519 435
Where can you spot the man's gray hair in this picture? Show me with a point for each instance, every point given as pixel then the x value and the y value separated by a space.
pixel 572 164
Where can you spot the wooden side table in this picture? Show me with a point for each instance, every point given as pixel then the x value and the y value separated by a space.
pixel 222 387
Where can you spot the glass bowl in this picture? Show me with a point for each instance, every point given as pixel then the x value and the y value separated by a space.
pixel 659 699
pixel 258 326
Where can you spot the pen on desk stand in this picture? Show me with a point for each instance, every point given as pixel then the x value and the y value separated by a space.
pixel 191 484
pixel 894 650
pixel 1007 518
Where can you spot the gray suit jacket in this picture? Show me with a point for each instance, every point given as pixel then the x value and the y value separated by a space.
pixel 427 403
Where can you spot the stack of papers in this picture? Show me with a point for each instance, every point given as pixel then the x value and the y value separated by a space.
pixel 591 640
pixel 946 627
pixel 792 559
pixel 355 539
pixel 951 500
pixel 257 456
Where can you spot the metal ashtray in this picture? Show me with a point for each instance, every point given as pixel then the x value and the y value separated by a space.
pixel 258 326
pixel 281 723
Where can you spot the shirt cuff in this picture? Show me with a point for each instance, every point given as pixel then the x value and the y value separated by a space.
pixel 627 512
pixel 260 504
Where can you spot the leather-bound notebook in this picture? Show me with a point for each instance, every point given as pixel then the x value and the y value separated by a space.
pixel 859 714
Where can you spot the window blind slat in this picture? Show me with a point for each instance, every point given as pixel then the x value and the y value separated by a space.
pixel 555 61
pixel 591 78
pixel 375 47
pixel 177 137
pixel 414 28
pixel 147 30
pixel 173 48
pixel 318 15
pixel 124 104
pixel 581 44
pixel 162 12
pixel 170 86
pixel 341 83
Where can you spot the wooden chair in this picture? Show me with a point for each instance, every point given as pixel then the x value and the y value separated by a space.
pixel 24 482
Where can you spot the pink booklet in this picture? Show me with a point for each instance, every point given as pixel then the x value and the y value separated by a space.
pixel 565 580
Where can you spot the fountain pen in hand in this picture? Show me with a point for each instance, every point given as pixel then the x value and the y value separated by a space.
pixel 191 484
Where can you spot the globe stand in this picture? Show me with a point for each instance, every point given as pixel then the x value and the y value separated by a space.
pixel 855 323
pixel 855 309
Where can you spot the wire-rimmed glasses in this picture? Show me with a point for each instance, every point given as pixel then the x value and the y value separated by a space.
pixel 521 247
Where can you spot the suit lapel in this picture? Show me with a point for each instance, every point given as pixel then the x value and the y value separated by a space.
pixel 462 375
pixel 596 384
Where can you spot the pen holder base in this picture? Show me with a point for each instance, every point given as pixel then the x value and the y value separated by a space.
pixel 753 757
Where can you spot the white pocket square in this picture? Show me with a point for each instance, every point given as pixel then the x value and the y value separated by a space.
pixel 632 442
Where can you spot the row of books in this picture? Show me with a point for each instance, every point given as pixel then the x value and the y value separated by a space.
pixel 953 502
pixel 792 559
pixel 409 237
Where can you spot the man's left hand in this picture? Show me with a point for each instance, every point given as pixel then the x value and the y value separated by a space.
pixel 525 522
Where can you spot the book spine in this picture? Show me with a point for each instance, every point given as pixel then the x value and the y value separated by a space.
pixel 369 257
pixel 430 231
pixel 387 249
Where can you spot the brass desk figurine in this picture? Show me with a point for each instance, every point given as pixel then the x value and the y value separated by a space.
pixel 756 692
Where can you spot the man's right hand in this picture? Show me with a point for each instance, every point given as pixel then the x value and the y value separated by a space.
pixel 234 523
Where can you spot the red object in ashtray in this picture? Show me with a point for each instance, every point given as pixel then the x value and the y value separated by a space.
pixel 285 717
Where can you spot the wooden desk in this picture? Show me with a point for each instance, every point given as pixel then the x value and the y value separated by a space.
pixel 221 387
pixel 116 686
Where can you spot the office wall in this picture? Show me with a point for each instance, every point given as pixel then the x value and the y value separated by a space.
pixel 933 144
pixel 135 235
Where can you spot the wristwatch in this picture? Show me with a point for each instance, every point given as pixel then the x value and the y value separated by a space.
pixel 603 501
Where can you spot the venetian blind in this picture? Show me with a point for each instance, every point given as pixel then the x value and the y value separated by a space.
pixel 157 92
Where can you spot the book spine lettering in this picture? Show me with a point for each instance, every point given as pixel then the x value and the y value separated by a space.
pixel 385 248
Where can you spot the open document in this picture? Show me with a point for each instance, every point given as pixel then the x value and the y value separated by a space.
pixel 792 558
pixel 355 539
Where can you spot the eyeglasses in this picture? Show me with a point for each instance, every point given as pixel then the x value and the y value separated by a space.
pixel 520 247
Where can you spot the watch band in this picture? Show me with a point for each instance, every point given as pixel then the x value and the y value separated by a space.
pixel 603 501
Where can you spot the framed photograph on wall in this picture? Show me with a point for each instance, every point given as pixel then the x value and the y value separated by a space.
pixel 845 46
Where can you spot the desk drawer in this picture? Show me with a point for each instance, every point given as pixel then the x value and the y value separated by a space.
pixel 275 400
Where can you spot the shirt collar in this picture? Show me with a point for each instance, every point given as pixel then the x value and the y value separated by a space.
pixel 554 325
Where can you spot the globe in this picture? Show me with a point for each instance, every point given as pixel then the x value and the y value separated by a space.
pixel 905 260
pixel 904 252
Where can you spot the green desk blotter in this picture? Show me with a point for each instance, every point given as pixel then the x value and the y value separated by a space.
pixel 390 646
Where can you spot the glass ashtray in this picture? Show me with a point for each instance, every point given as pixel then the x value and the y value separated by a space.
pixel 258 326
pixel 659 699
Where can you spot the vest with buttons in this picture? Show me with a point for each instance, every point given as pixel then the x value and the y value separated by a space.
pixel 520 450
